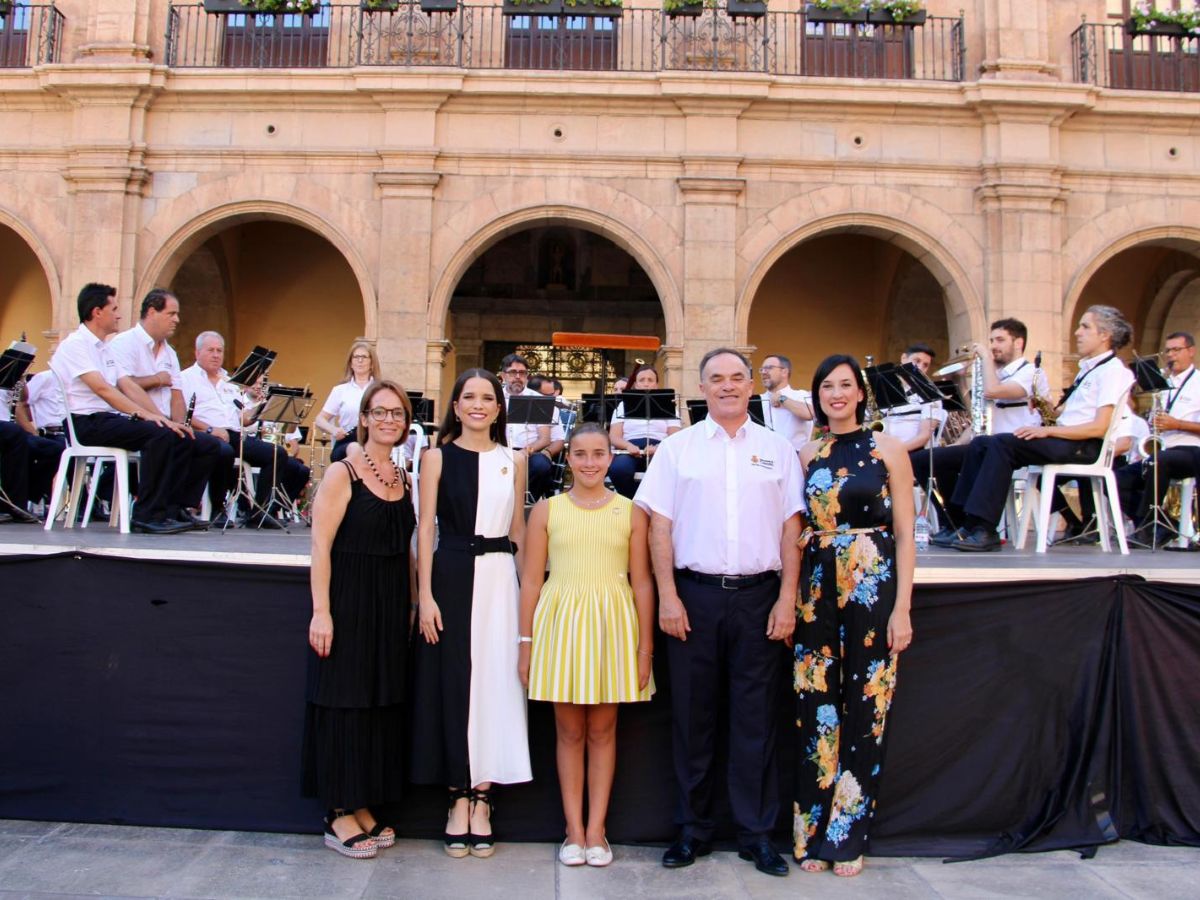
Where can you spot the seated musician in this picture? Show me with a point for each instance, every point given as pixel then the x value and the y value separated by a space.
pixel 1178 426
pixel 153 369
pixel 558 434
pixel 221 413
pixel 533 439
pixel 28 460
pixel 915 423
pixel 786 410
pixel 1008 385
pixel 638 438
pixel 339 416
pixel 99 399
pixel 1087 408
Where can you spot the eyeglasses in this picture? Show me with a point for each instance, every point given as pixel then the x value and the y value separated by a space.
pixel 516 371
pixel 379 414
pixel 769 368
pixel 360 357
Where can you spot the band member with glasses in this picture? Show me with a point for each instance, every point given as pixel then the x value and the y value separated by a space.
pixel 786 411
pixel 363 580
pixel 724 499
pixel 639 438
pixel 533 440
pixel 469 727
pixel 339 416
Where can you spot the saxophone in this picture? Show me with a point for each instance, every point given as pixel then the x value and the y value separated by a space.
pixel 1038 402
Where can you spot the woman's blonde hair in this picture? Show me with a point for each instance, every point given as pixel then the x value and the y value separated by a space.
pixel 362 345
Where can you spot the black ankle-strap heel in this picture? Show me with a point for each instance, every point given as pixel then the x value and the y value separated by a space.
pixel 482 845
pixel 458 845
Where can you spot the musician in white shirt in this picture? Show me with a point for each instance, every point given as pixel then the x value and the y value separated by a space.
pixel 534 440
pixel 786 410
pixel 1089 405
pixel 339 416
pixel 638 439
pixel 1178 424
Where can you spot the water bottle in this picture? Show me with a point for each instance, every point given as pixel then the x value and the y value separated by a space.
pixel 921 533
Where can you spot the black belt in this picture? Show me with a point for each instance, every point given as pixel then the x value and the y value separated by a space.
pixel 728 582
pixel 1010 404
pixel 476 544
pixel 52 431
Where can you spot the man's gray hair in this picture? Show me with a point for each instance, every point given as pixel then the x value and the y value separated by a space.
pixel 1112 321
pixel 205 335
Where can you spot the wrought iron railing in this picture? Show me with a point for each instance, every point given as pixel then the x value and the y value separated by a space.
pixel 1109 56
pixel 30 35
pixel 637 40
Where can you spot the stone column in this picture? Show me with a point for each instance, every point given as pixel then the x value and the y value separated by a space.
pixel 1016 37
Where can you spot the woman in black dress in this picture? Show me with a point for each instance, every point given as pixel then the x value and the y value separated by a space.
pixel 362 583
pixel 852 621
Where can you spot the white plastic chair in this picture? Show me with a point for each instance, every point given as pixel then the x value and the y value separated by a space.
pixel 420 441
pixel 1187 497
pixel 74 460
pixel 248 474
pixel 1103 480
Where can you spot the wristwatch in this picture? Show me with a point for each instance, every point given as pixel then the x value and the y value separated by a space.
pixel 208 430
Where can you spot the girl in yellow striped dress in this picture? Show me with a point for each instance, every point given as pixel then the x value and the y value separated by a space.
pixel 587 632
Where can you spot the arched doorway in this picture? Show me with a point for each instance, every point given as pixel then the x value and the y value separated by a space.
pixel 546 278
pixel 1155 283
pixel 275 284
pixel 847 292
pixel 26 306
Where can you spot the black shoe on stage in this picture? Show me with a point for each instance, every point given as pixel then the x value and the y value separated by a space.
pixel 193 520
pixel 946 537
pixel 978 539
pixel 765 859
pixel 163 526
pixel 684 852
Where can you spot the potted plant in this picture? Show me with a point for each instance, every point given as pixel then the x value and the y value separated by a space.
pixel 606 9
pixel 836 11
pixel 896 12
pixel 380 5
pixel 532 7
pixel 675 8
pixel 271 7
pixel 751 8
pixel 1145 19
pixel 5 6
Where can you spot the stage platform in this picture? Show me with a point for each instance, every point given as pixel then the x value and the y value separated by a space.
pixel 272 548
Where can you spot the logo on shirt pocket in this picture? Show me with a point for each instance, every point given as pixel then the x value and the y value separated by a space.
pixel 761 462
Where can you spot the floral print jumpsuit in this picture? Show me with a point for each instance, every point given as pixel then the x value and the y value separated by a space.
pixel 844 674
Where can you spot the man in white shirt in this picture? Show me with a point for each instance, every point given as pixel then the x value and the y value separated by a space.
pixel 786 410
pixel 1008 379
pixel 1088 406
pixel 16 462
pixel 99 403
pixel 915 423
pixel 1178 425
pixel 533 439
pixel 221 414
pixel 724 499
pixel 153 367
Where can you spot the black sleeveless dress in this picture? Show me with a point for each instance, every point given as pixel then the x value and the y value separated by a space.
pixel 354 721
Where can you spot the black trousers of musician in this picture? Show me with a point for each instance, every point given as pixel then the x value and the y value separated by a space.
pixel 540 471
pixel 947 464
pixel 986 475
pixel 206 456
pixel 163 470
pixel 726 652
pixel 1135 483
pixel 44 456
pixel 625 466
pixel 274 464
pixel 14 464
pixel 339 447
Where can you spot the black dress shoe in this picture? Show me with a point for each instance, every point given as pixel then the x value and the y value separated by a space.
pixel 946 537
pixel 190 518
pixel 978 539
pixel 684 852
pixel 765 859
pixel 163 526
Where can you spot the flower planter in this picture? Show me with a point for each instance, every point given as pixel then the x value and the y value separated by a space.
pixel 380 7
pixel 231 7
pixel 1167 29
pixel 814 13
pixel 430 6
pixel 553 8
pixel 691 10
pixel 589 8
pixel 882 17
pixel 5 6
pixel 750 8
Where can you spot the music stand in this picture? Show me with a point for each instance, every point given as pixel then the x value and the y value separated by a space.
pixel 253 367
pixel 422 406
pixel 599 408
pixel 697 411
pixel 1151 380
pixel 530 410
pixel 13 363
pixel 284 408
pixel 885 383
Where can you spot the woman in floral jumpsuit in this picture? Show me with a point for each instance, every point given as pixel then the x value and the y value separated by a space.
pixel 852 620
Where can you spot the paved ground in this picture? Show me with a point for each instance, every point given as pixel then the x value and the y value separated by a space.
pixel 42 860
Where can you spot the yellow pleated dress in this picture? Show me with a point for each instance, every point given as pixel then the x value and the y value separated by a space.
pixel 585 627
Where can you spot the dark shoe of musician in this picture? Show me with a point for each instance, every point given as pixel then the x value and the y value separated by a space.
pixel 765 859
pixel 1151 538
pixel 978 539
pixel 947 536
pixel 190 518
pixel 221 520
pixel 684 852
pixel 163 526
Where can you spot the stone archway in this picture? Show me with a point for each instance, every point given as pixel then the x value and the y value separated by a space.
pixel 27 289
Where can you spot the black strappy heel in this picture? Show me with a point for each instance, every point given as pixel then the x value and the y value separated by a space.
pixel 360 846
pixel 458 845
pixel 482 845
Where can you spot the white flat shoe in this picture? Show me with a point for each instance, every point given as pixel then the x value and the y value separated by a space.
pixel 599 856
pixel 571 855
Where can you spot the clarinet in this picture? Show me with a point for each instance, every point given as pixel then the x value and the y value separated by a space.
pixel 187 417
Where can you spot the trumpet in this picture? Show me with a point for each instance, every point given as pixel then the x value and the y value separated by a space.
pixel 1037 402
pixel 873 421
